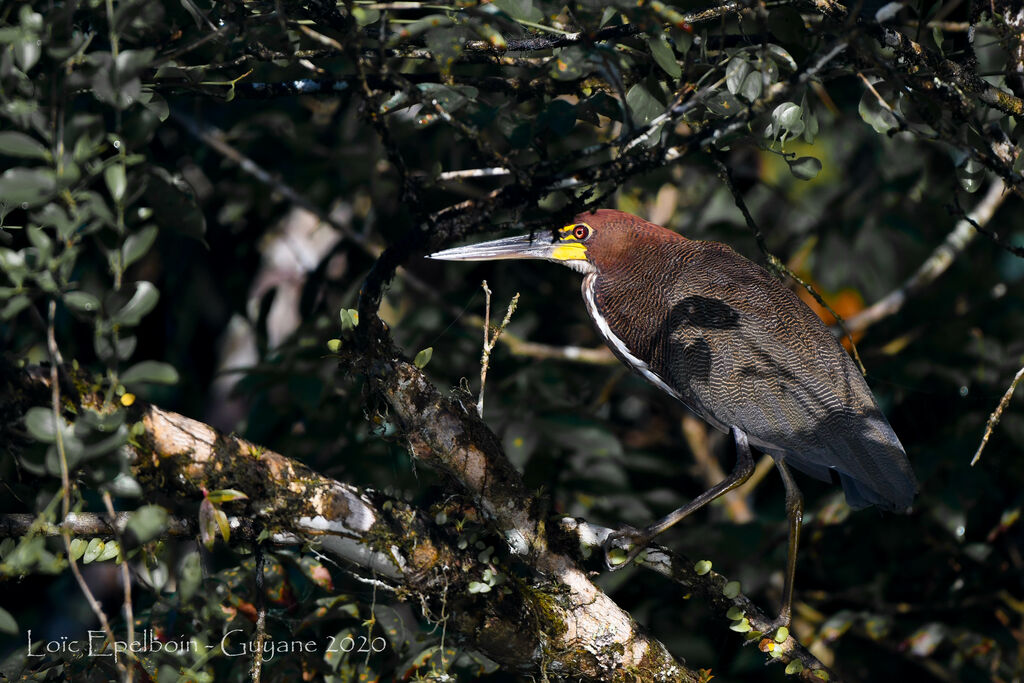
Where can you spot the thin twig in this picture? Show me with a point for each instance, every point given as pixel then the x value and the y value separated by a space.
pixel 56 361
pixel 473 173
pixel 490 341
pixel 261 616
pixel 126 575
pixel 997 414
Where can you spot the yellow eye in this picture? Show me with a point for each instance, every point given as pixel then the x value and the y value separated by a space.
pixel 581 232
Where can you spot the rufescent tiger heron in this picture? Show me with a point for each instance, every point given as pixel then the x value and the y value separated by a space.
pixel 714 330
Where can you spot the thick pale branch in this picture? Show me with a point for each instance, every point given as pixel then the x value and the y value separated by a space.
pixel 562 623
pixel 455 442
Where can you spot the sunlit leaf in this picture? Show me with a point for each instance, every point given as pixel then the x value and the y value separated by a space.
pixel 225 495
pixel 423 357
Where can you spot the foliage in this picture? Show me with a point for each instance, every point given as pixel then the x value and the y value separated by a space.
pixel 161 159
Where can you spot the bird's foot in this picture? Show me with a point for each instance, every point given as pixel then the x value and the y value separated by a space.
pixel 622 546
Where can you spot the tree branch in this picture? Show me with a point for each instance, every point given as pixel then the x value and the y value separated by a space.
pixel 941 258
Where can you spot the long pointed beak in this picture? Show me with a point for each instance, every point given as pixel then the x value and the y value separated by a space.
pixel 538 246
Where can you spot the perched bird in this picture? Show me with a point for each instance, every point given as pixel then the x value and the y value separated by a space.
pixel 717 332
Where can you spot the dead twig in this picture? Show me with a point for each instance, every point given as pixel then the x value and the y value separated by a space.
pixel 996 415
pixel 490 340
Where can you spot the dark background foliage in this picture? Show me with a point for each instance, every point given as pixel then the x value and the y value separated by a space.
pixel 184 146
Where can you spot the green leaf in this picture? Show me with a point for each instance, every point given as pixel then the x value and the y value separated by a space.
pixel 222 523
pixel 741 626
pixel 110 551
pixel 447 98
pixel 643 105
pixel 663 55
pixel 83 302
pixel 12 263
pixel 115 179
pixel 225 495
pixel 28 186
pixel 150 371
pixel 137 244
pixel 27 51
pixel 804 168
pixel 147 522
pixel 77 549
pixel 14 306
pixel 40 424
pixel 752 86
pixel 106 445
pixel 781 56
pixel 190 576
pixel 519 9
pixel 874 113
pixel 786 121
pixel 970 175
pixel 7 623
pixel 15 144
pixel 130 63
pixel 423 357
pixel 93 550
pixel 736 72
pixel 349 319
pixel 142 302
pixel 106 351
pixel 723 103
pixel 38 238
pixel 124 486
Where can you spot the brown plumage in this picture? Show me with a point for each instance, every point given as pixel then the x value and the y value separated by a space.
pixel 740 349
pixel 720 334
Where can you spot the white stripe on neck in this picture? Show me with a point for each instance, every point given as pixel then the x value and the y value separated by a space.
pixel 589 284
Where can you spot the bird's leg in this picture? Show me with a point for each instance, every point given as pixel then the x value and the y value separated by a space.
pixel 637 539
pixel 795 512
